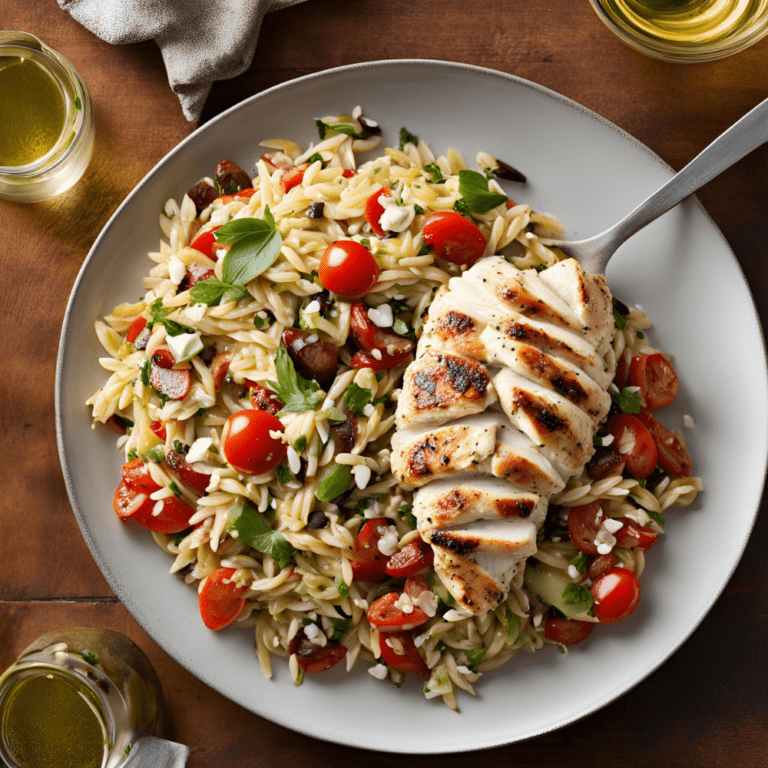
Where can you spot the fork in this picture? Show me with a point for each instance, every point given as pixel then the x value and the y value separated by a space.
pixel 739 140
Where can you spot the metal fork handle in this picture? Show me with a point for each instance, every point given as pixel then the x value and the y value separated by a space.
pixel 739 140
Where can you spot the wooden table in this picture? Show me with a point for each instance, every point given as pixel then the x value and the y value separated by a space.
pixel 707 705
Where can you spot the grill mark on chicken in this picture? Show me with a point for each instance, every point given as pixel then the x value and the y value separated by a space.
pixel 537 411
pixel 455 324
pixel 562 380
pixel 510 465
pixel 527 305
pixel 457 500
pixel 465 374
pixel 444 539
pixel 466 379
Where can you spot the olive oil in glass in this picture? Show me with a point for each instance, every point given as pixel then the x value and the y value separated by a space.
pixel 686 30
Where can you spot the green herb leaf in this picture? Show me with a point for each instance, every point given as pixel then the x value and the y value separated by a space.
pixel 253 530
pixel 314 158
pixel 657 517
pixel 334 482
pixel 580 562
pixel 473 188
pixel 340 626
pixel 175 488
pixel 90 657
pixel 342 587
pixel 284 474
pixel 618 319
pixel 437 174
pixel 258 322
pixel 156 454
pixel 214 291
pixel 629 402
pixel 417 208
pixel 298 393
pixel 357 398
pixel 512 621
pixel 300 444
pixel 159 314
pixel 406 137
pixel 578 596
pixel 362 504
pixel 406 512
pixel 475 657
pixel 255 247
pixel 345 128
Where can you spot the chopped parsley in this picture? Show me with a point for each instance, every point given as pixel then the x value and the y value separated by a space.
pixel 406 137
pixel 580 562
pixel 475 657
pixel 475 194
pixel 578 596
pixel 345 128
pixel 437 174
pixel 297 393
pixel 340 626
pixel 357 398
pixel 628 401
pixel 300 444
pixel 342 587
pixel 406 512
pixel 284 474
pixel 253 530
pixel 618 319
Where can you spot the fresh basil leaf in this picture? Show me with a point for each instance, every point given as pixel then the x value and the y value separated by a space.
pixel 475 657
pixel 473 188
pixel 437 174
pixel 657 517
pixel 629 402
pixel 297 393
pixel 253 530
pixel 255 246
pixel 357 398
pixel 579 596
pixel 159 314
pixel 214 291
pixel 334 482
pixel 406 137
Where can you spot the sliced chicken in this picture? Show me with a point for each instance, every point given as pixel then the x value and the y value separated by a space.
pixel 587 295
pixel 441 386
pixel 558 375
pixel 561 429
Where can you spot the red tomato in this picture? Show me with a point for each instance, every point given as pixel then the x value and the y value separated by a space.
pixel 174 384
pixel 388 617
pixel 568 631
pixel 137 326
pixel 374 209
pixel 632 534
pixel 634 444
pixel 314 658
pixel 246 442
pixel 163 357
pixel 135 474
pixel 243 194
pixel 347 173
pixel 583 524
pixel 400 652
pixel 205 242
pixel 362 360
pixel 158 427
pixel 413 559
pixel 369 337
pixel 220 368
pixel 454 238
pixel 673 458
pixel 368 562
pixel 172 517
pixel 510 204
pixel 348 269
pixel 600 565
pixel 656 378
pixel 415 586
pixel 293 177
pixel 221 599
pixel 616 595
pixel 264 399
pixel 178 465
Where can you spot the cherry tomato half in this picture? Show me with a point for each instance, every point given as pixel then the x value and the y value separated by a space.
pixel 247 444
pixel 221 599
pixel 413 559
pixel 600 565
pixel 392 349
pixel 374 210
pixel 136 327
pixel 673 457
pixel 616 595
pixel 400 652
pixel 454 238
pixel 632 534
pixel 633 442
pixel 583 524
pixel 568 631
pixel 348 269
pixel 387 616
pixel 368 562
pixel 178 465
pixel 656 378
pixel 315 658
pixel 293 177
pixel 205 242
pixel 172 515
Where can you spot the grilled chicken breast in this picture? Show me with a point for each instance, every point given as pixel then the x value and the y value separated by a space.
pixel 497 412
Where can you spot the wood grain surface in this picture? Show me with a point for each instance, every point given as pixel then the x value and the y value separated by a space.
pixel 707 705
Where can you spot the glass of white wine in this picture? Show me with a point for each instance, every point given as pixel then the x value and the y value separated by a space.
pixel 685 30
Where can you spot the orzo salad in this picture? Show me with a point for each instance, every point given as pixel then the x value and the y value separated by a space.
pixel 267 386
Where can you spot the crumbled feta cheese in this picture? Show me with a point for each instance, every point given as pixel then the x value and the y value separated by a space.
pixel 388 542
pixel 427 601
pixel 176 269
pixel 336 257
pixel 395 218
pixel 362 474
pixel 381 316
pixel 611 524
pixel 185 345
pixel 315 635
pixel 379 671
pixel 404 603
pixel 195 312
pixel 573 572
pixel 312 307
pixel 604 541
pixel 376 353
pixel 199 449
pixel 688 421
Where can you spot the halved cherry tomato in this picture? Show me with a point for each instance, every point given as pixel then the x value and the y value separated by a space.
pixel 196 274
pixel 672 456
pixel 164 357
pixel 454 238
pixel 136 327
pixel 374 210
pixel 583 524
pixel 158 427
pixel 220 368
pixel 656 378
pixel 293 177
pixel 264 399
pixel 135 474
pixel 172 516
pixel 400 652
pixel 348 269
pixel 247 444
pixel 174 384
pixel 415 586
pixel 178 465
pixel 221 599
pixel 634 444
pixel 414 558
pixel 600 565
pixel 368 562
pixel 568 631
pixel 387 616
pixel 362 360
pixel 616 595
pixel 369 337
pixel 243 194
pixel 632 534
pixel 315 658
pixel 605 462
pixel 205 242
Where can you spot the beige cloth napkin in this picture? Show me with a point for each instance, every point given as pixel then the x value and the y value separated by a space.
pixel 201 40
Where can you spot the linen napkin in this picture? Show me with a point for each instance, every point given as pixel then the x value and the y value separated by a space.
pixel 201 41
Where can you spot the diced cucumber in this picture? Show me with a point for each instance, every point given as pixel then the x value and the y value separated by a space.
pixel 548 584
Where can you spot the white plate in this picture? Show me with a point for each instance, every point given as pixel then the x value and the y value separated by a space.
pixel 680 270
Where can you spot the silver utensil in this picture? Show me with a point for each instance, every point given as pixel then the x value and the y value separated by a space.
pixel 739 140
